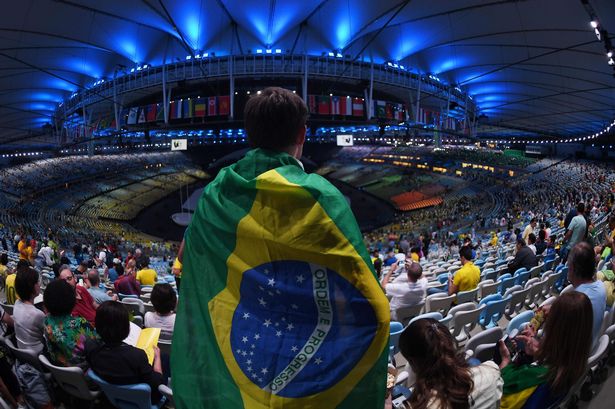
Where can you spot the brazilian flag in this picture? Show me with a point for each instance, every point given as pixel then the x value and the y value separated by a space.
pixel 279 304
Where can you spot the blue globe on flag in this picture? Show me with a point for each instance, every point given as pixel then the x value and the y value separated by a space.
pixel 299 328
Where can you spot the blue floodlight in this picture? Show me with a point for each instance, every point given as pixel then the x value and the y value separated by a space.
pixel 132 70
pixel 278 51
pixel 197 56
pixel 259 51
pixel 188 57
pixel 331 54
pixel 139 68
pixel 205 55
pixel 268 51
pixel 339 55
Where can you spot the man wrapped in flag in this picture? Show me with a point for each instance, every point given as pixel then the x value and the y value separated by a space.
pixel 280 307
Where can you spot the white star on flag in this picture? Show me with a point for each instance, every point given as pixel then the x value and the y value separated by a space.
pixel 271 282
pixel 289 327
pixel 257 336
pixel 294 349
pixel 262 301
pixel 318 361
pixel 246 315
pixel 278 333
pixel 267 323
pixel 244 340
pixel 264 371
pixel 300 279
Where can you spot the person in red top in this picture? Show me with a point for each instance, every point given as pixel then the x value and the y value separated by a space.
pixel 85 306
pixel 127 283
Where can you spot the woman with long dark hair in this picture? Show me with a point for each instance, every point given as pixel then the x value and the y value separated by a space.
pixel 444 378
pixel 560 356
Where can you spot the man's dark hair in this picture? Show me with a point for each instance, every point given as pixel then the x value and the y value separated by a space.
pixel 581 207
pixel 582 260
pixel 533 220
pixel 112 322
pixel 542 235
pixel 531 238
pixel 4 259
pixel 59 298
pixel 163 298
pixel 25 281
pixel 521 242
pixel 273 118
pixel 22 264
pixel 465 252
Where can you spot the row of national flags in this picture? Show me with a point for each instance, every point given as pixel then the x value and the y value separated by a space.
pixel 336 105
pixel 437 119
pixel 178 109
pixel 389 110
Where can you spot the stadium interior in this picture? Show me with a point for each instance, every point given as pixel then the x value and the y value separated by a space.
pixel 445 125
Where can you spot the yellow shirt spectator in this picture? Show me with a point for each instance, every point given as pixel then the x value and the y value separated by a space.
pixel 177 268
pixel 467 277
pixel 494 241
pixel 147 276
pixel 11 294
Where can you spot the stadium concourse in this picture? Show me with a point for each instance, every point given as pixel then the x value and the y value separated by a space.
pixel 242 204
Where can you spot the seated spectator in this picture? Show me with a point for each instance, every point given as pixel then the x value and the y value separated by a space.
pixel 606 248
pixel 443 377
pixel 116 362
pixel 112 273
pixel 524 258
pixel 164 300
pixel 127 284
pixel 81 269
pixel 581 270
pixel 560 355
pixel 529 229
pixel 147 276
pixel 9 287
pixel 29 320
pixel 541 244
pixel 65 335
pixel 415 254
pixel 467 277
pixel 85 306
pixel 532 242
pixel 407 289
pixel 92 283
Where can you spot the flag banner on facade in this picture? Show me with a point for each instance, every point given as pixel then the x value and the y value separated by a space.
pixel 335 105
pixel 324 105
pixel 142 118
pixel 188 108
pixel 312 106
pixel 200 107
pixel 159 112
pixel 224 105
pixel 151 113
pixel 212 107
pixel 380 108
pixel 357 107
pixel 346 106
pixel 280 307
pixel 132 115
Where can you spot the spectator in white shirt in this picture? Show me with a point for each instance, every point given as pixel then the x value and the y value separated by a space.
pixel 46 253
pixel 532 242
pixel 529 229
pixel 164 301
pixel 406 290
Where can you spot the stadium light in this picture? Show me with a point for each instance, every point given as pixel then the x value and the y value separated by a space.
pixel 609 53
pixel 331 54
pixel 593 23
pixel 197 56
pixel 145 66
pixel 597 32
pixel 278 51
pixel 132 70
pixel 259 51
pixel 205 55
pixel 268 51
pixel 188 57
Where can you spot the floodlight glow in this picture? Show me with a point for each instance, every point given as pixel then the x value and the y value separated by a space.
pixel 268 51
pixel 259 51
pixel 593 23
pixel 597 32
pixel 278 51
pixel 188 57
pixel 331 54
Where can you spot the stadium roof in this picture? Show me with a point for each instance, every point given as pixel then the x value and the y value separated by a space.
pixel 530 65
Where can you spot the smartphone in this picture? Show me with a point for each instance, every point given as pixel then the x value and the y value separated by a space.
pixel 512 348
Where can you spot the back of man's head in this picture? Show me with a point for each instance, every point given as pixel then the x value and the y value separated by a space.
pixel 582 262
pixel 521 242
pixel 94 278
pixel 581 207
pixel 274 118
pixel 415 271
pixel 466 253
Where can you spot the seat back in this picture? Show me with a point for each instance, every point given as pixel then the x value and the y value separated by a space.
pixel 439 303
pixel 491 275
pixel 599 351
pixel 505 284
pixel 535 271
pixel 519 271
pixel 136 396
pixel 495 305
pixel 467 296
pixel 71 379
pixel 404 314
pixel 485 352
pixel 534 293
pixel 135 305
pixel 487 288
pixel 432 315
pixel 489 336
pixel 518 322
pixel 23 355
pixel 522 278
pixel 466 321
pixel 517 300
pixel 8 308
pixel 125 296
